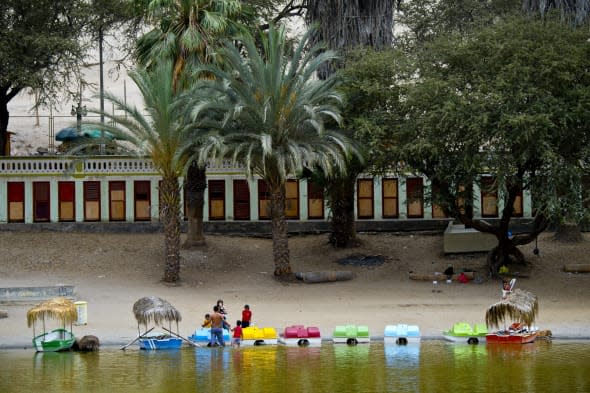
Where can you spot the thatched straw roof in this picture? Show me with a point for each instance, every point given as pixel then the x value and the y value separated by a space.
pixel 519 306
pixel 155 309
pixel 58 308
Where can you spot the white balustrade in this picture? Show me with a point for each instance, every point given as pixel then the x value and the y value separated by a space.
pixel 26 166
pixel 94 166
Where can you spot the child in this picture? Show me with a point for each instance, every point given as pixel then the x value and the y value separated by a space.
pixel 246 316
pixel 221 308
pixel 507 287
pixel 207 321
pixel 237 336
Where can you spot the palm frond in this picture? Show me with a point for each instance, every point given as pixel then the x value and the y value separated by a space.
pixel 62 309
pixel 519 306
pixel 155 309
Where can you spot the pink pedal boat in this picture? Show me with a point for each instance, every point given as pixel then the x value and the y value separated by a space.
pixel 299 335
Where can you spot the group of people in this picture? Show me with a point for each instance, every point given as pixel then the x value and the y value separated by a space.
pixel 217 321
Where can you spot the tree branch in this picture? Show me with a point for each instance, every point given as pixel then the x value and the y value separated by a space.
pixel 288 10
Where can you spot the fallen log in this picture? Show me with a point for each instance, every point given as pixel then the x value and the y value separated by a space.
pixel 325 276
pixel 438 277
pixel 577 268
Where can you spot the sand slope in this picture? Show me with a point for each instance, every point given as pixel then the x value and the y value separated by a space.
pixel 111 271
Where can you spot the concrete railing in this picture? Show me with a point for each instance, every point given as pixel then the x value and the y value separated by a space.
pixel 103 165
pixel 26 166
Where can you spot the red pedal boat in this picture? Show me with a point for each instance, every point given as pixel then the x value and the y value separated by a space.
pixel 299 335
pixel 519 305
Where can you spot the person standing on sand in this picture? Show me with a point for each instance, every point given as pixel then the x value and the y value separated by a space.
pixel 222 309
pixel 246 316
pixel 217 324
pixel 237 336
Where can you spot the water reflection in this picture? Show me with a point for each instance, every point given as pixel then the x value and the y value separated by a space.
pixel 402 363
pixel 208 359
pixel 431 366
pixel 402 356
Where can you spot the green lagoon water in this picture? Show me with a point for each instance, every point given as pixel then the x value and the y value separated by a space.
pixel 432 366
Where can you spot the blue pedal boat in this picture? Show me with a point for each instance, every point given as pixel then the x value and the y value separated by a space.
pixel 203 336
pixel 401 334
pixel 159 341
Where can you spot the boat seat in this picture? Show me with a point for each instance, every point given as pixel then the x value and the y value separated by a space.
pixel 462 329
pixel 363 331
pixel 340 331
pixel 480 328
pixel 313 332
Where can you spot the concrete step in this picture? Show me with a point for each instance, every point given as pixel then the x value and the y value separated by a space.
pixel 29 294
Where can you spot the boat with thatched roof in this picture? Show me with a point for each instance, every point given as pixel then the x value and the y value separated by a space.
pixel 61 339
pixel 158 311
pixel 521 308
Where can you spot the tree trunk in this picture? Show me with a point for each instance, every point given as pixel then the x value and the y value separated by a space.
pixel 196 184
pixel 4 115
pixel 280 240
pixel 7 93
pixel 341 197
pixel 170 216
pixel 507 242
pixel 504 254
pixel 350 24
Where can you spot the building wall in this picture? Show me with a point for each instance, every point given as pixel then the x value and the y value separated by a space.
pixel 105 170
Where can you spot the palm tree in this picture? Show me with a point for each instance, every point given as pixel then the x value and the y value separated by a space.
pixel 274 110
pixel 186 32
pixel 159 134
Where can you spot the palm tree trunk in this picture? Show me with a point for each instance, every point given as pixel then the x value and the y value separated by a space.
pixel 341 199
pixel 170 216
pixel 280 240
pixel 196 184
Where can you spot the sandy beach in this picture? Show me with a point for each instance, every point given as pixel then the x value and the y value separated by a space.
pixel 112 271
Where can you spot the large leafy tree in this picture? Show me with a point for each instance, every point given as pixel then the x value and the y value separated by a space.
pixel 274 111
pixel 424 20
pixel 346 25
pixel 187 32
pixel 371 94
pixel 510 100
pixel 40 48
pixel 157 130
